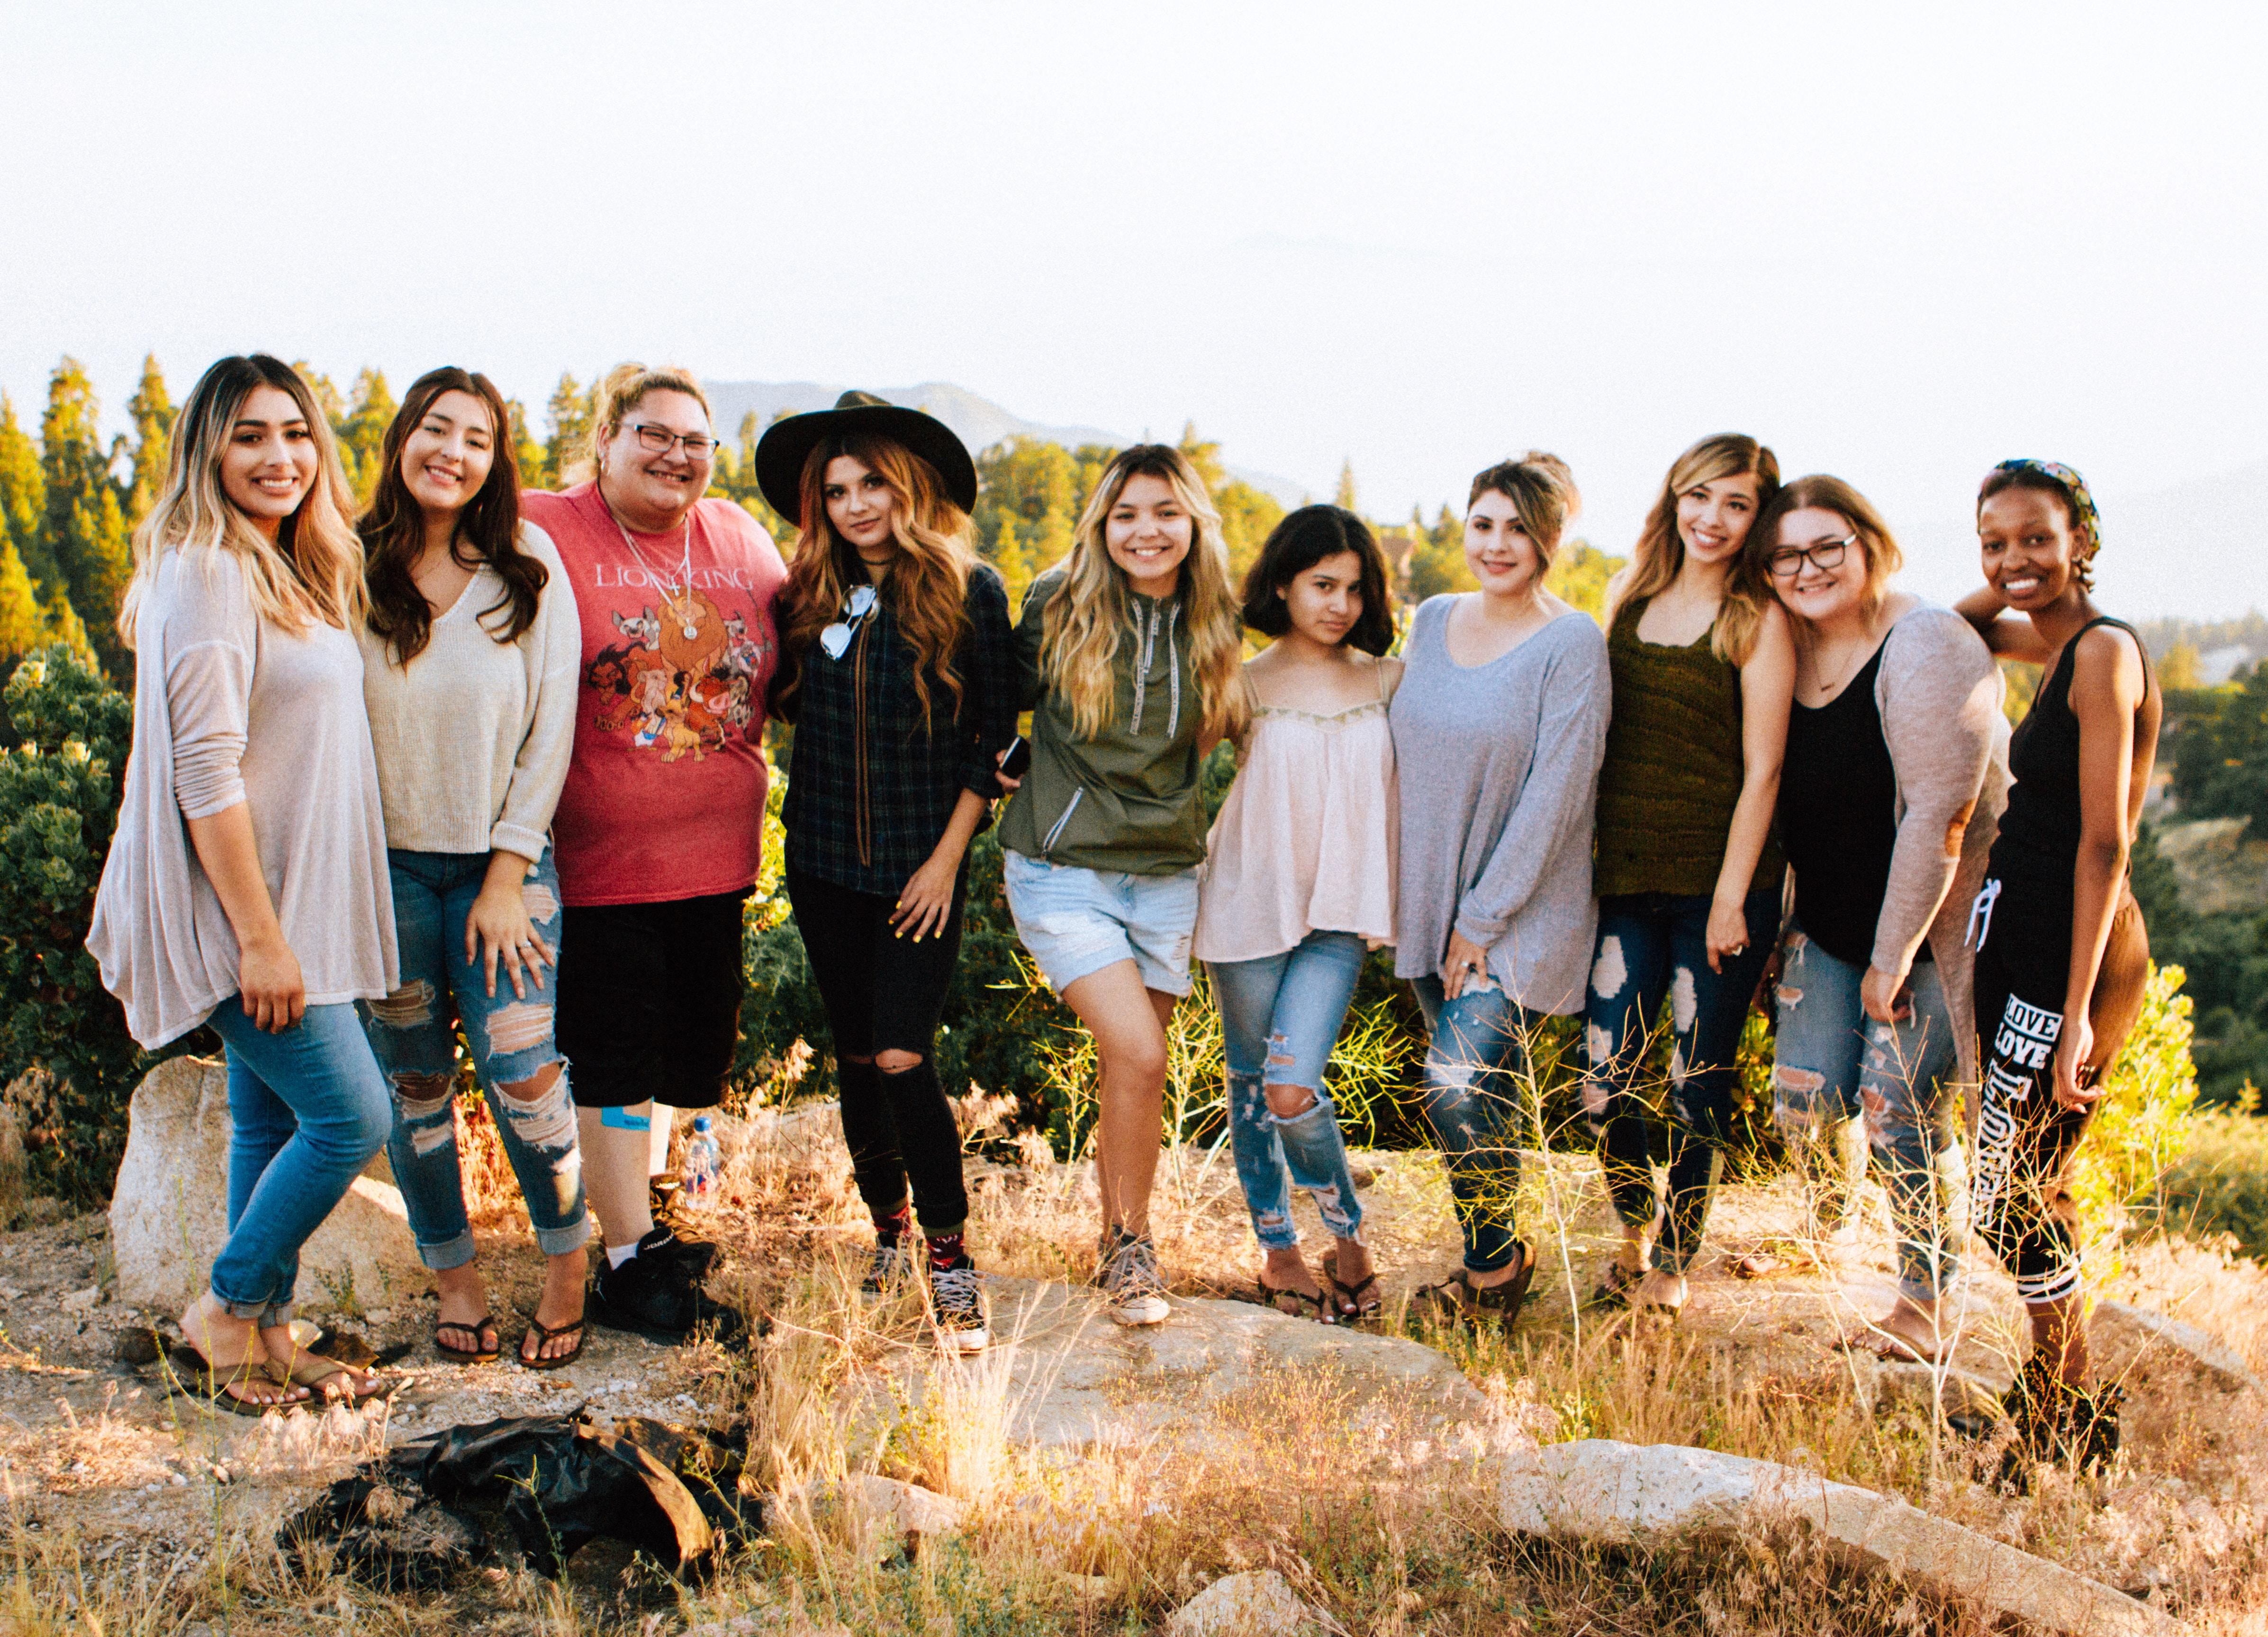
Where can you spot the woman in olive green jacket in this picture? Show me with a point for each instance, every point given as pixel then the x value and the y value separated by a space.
pixel 1128 653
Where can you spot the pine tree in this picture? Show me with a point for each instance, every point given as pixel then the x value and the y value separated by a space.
pixel 153 412
pixel 86 531
pixel 24 498
pixel 63 624
pixel 1347 497
pixel 362 433
pixel 569 413
pixel 1205 457
pixel 1246 516
pixel 24 627
pixel 535 463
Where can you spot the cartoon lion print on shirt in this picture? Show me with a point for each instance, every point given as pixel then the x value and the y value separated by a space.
pixel 683 681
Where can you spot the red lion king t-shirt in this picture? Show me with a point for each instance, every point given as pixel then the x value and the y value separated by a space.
pixel 665 797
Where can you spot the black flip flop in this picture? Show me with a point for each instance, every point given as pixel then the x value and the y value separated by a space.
pixel 1301 1305
pixel 543 1332
pixel 1360 1300
pixel 480 1354
pixel 1614 1291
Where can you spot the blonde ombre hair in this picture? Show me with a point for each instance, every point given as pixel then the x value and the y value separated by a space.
pixel 1660 552
pixel 622 389
pixel 311 572
pixel 1087 618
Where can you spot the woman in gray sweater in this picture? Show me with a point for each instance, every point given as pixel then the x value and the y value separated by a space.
pixel 1503 704
pixel 1895 776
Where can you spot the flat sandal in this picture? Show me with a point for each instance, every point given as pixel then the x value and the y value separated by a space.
pixel 543 1333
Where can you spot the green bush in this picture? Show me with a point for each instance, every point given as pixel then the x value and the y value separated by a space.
pixel 2221 1187
pixel 59 789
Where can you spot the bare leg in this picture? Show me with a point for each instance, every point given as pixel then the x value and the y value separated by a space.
pixel 564 1275
pixel 615 1176
pixel 225 1343
pixel 1128 1022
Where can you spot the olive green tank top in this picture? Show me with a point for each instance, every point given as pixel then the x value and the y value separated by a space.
pixel 1673 770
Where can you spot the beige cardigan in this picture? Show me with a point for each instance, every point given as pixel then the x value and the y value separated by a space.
pixel 1938 692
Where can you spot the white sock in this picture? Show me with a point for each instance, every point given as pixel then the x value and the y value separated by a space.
pixel 617 1254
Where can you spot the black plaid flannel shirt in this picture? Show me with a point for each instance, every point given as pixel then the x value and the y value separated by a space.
pixel 914 774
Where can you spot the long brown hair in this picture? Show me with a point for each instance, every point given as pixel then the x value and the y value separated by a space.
pixel 1822 493
pixel 928 582
pixel 311 572
pixel 1660 552
pixel 1087 617
pixel 488 529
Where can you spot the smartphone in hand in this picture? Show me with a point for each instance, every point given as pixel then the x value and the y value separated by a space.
pixel 1016 761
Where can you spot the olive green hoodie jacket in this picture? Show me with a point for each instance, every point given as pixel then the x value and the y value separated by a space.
pixel 1126 799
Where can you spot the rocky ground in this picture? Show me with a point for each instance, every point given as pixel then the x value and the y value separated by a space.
pixel 152 1490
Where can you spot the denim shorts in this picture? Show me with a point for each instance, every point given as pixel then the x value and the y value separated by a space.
pixel 1076 922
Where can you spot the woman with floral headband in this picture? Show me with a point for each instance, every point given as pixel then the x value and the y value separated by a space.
pixel 2062 956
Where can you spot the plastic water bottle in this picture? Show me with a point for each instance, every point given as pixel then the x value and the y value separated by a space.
pixel 702 1165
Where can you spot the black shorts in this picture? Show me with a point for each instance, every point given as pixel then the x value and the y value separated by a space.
pixel 650 999
pixel 2019 1192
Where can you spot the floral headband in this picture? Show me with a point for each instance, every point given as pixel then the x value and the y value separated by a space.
pixel 2074 488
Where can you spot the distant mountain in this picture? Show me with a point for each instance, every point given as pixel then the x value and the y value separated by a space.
pixel 2197 550
pixel 979 421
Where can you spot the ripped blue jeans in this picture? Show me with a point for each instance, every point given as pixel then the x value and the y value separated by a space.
pixel 411 1032
pixel 1478 1081
pixel 1833 1065
pixel 1279 1019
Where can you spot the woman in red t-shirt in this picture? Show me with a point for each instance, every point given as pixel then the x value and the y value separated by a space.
pixel 659 831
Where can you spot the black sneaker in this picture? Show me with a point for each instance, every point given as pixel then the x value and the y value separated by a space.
pixel 888 1268
pixel 957 1297
pixel 666 1204
pixel 2057 1424
pixel 656 1295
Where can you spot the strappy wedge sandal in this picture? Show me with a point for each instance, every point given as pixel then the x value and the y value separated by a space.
pixel 1357 1302
pixel 1456 1299
pixel 313 1371
pixel 209 1383
pixel 482 1351
pixel 544 1334
pixel 1614 1291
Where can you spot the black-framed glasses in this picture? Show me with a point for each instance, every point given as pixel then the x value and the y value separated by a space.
pixel 1788 563
pixel 661 440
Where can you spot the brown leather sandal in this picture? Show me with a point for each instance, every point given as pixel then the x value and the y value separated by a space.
pixel 543 1333
pixel 1357 1301
pixel 1458 1299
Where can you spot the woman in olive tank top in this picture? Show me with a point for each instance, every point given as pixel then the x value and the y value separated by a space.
pixel 1688 874
pixel 2062 955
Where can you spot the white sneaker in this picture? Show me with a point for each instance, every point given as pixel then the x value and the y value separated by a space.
pixel 1130 1283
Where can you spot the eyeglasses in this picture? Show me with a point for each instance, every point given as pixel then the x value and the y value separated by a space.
pixel 836 639
pixel 661 440
pixel 1786 564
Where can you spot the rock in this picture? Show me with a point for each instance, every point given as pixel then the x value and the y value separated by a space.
pixel 2117 1326
pixel 1261 1603
pixel 903 1511
pixel 83 1301
pixel 15 1176
pixel 1656 1494
pixel 169 1207
pixel 1073 1379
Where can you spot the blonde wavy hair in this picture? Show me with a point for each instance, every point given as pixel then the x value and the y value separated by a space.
pixel 310 573
pixel 1660 552
pixel 622 389
pixel 928 584
pixel 1089 616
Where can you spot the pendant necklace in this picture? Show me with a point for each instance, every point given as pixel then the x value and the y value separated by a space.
pixel 676 593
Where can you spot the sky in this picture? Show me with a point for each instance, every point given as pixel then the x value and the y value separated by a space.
pixel 1896 243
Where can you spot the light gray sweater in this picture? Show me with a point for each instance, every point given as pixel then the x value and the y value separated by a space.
pixel 474 736
pixel 1500 772
pixel 1939 692
pixel 229 709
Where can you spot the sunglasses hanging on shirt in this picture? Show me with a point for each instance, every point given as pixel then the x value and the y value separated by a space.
pixel 836 639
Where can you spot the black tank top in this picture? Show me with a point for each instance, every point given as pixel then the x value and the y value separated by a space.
pixel 1838 800
pixel 2038 842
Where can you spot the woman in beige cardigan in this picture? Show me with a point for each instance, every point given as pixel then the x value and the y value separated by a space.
pixel 1896 772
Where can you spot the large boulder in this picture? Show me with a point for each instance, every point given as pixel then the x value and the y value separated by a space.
pixel 169 1209
pixel 1658 1494
pixel 1260 1603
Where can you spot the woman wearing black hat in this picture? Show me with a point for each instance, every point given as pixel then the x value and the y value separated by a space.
pixel 897 666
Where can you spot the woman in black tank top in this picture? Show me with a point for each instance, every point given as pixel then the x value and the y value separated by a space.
pixel 2062 954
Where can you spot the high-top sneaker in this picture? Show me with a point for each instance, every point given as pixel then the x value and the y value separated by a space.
pixel 956 1297
pixel 1137 1295
pixel 2059 1424
pixel 656 1295
pixel 888 1266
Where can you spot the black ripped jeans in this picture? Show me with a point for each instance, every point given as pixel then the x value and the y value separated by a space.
pixel 885 993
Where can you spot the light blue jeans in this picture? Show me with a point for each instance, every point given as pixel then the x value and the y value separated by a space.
pixel 1833 1065
pixel 307 1111
pixel 1279 1019
pixel 1075 921
pixel 411 1032
pixel 1476 1062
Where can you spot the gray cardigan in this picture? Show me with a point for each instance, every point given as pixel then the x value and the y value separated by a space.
pixel 1500 772
pixel 1939 692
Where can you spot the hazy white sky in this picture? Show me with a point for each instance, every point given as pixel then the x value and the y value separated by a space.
pixel 1897 242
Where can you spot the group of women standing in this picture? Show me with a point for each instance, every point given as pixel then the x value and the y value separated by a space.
pixel 527 727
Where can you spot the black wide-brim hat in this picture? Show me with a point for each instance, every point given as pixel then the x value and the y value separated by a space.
pixel 786 444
